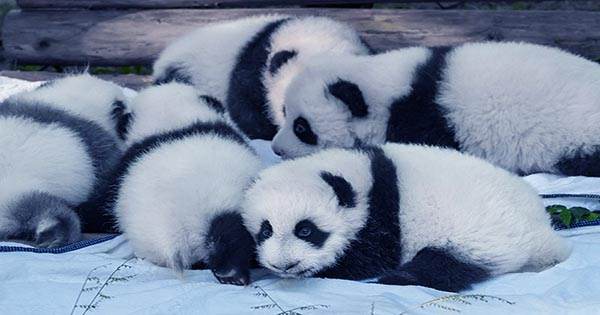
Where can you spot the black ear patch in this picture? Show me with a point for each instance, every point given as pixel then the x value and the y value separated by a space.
pixel 280 58
pixel 213 103
pixel 351 95
pixel 343 190
pixel 121 118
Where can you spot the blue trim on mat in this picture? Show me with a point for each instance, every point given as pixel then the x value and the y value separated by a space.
pixel 587 196
pixel 58 250
pixel 577 225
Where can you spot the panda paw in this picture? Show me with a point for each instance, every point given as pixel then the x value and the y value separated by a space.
pixel 399 277
pixel 232 277
pixel 54 232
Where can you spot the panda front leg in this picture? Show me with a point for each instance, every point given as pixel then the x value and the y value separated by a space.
pixel 437 268
pixel 232 249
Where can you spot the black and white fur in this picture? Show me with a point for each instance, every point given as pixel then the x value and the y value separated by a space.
pixel 177 192
pixel 250 61
pixel 55 152
pixel 82 95
pixel 402 214
pixel 524 107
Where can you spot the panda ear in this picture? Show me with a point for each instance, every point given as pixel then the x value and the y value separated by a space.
pixel 342 189
pixel 122 118
pixel 280 58
pixel 351 95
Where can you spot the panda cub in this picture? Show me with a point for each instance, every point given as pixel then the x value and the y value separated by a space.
pixel 177 192
pixel 524 107
pixel 250 61
pixel 400 214
pixel 57 148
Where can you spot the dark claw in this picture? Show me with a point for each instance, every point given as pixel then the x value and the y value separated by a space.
pixel 235 280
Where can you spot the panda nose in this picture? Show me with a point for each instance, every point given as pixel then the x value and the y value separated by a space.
pixel 286 267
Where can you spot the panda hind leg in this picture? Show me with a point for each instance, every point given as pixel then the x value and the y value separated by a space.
pixel 43 219
pixel 581 163
pixel 436 268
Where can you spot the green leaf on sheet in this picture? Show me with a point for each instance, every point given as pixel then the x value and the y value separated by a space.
pixel 566 217
pixel 555 209
pixel 591 216
pixel 569 216
pixel 579 212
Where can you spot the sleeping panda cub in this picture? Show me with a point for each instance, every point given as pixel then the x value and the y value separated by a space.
pixel 524 107
pixel 401 214
pixel 177 193
pixel 57 148
pixel 250 61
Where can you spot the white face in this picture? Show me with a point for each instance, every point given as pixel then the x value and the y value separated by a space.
pixel 314 119
pixel 299 225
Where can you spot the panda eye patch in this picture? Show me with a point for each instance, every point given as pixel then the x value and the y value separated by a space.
pixel 306 230
pixel 303 131
pixel 266 231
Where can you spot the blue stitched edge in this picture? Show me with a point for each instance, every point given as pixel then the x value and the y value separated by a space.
pixel 561 226
pixel 57 250
pixel 587 196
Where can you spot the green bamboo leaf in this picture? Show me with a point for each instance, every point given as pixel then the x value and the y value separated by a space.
pixel 591 216
pixel 579 212
pixel 566 217
pixel 555 209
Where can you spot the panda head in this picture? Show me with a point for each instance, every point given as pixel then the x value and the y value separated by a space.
pixel 321 110
pixel 304 213
pixel 297 42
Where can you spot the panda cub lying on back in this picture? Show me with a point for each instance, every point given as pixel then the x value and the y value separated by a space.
pixel 177 192
pixel 249 62
pixel 57 144
pixel 403 214
pixel 524 107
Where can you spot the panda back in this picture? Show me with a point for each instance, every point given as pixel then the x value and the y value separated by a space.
pixel 208 54
pixel 183 184
pixel 42 157
pixel 493 93
pixel 452 200
pixel 81 95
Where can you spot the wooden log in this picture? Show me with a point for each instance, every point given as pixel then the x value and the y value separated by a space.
pixel 132 81
pixel 125 37
pixel 174 4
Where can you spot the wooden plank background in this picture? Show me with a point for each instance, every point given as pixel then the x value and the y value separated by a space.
pixel 173 4
pixel 131 81
pixel 130 37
